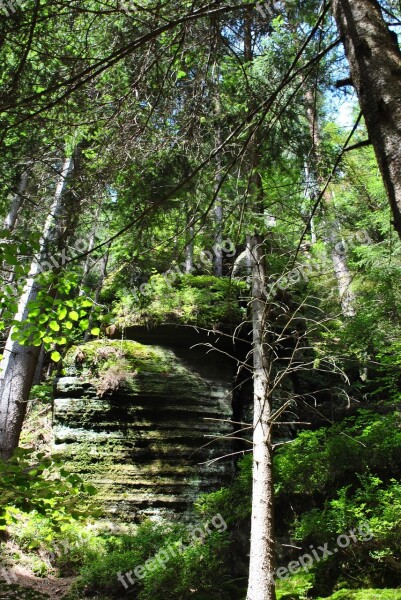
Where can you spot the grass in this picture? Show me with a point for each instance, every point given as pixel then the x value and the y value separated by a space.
pixel 384 594
pixel 297 587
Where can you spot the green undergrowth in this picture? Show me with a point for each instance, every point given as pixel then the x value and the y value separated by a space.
pixel 178 564
pixel 295 587
pixel 202 300
pixel 384 594
pixel 299 587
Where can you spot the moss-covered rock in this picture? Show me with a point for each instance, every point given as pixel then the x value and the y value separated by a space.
pixel 133 420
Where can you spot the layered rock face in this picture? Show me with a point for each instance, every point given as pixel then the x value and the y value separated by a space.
pixel 138 422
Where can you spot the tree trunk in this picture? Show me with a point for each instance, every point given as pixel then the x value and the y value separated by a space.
pixel 261 584
pixel 19 363
pixel 261 566
pixel 342 272
pixel 103 273
pixel 8 274
pixel 218 252
pixel 218 207
pixel 89 260
pixel 11 218
pixel 189 248
pixel 332 225
pixel 375 65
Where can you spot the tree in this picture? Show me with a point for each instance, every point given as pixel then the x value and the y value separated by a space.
pixel 332 225
pixel 19 363
pixel 375 64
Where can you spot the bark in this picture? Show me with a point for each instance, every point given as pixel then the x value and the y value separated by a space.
pixel 89 261
pixel 9 223
pixel 332 224
pixel 19 363
pixel 261 584
pixel 342 272
pixel 218 207
pixel 375 65
pixel 218 252
pixel 189 248
pixel 11 218
pixel 103 273
pixel 261 567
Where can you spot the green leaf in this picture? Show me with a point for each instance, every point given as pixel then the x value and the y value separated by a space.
pixel 84 324
pixel 62 313
pixel 54 326
pixel 86 304
pixel 95 331
pixel 55 356
pixel 74 316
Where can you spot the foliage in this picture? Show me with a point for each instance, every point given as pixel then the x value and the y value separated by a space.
pixel 320 461
pixel 294 587
pixel 58 550
pixel 191 299
pixel 233 501
pixel 54 321
pixel 199 570
pixel 36 482
pixel 373 512
pixel 123 553
pixel 366 594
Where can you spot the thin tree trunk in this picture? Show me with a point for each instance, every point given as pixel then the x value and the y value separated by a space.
pixel 189 248
pixel 11 218
pixel 332 225
pixel 19 363
pixel 375 65
pixel 99 288
pixel 218 207
pixel 88 260
pixel 261 584
pixel 261 566
pixel 342 272
pixel 218 252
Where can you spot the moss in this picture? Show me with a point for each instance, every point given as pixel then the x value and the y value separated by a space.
pixel 102 354
pixel 140 445
pixel 368 594
pixel 110 365
pixel 202 300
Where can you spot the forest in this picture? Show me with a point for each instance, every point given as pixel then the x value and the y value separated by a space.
pixel 200 300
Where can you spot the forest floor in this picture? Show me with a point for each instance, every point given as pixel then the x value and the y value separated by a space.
pixel 29 587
